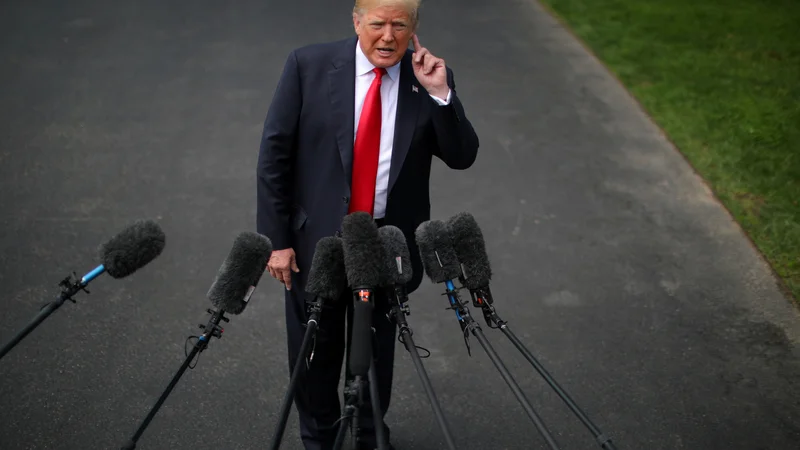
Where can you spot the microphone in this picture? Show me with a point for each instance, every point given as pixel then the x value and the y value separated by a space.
pixel 327 282
pixel 397 262
pixel 229 293
pixel 364 266
pixel 363 262
pixel 122 255
pixel 130 250
pixel 240 272
pixel 398 273
pixel 327 278
pixel 442 266
pixel 475 270
pixel 470 247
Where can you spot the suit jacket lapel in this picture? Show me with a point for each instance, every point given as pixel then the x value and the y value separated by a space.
pixel 342 85
pixel 408 102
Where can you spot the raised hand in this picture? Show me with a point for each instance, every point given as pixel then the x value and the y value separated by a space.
pixel 430 70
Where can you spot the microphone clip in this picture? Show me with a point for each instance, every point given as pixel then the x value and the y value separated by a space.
pixel 402 298
pixel 70 286
pixel 482 298
pixel 212 328
pixel 404 309
pixel 457 305
pixel 314 313
pixel 463 315
pixel 314 308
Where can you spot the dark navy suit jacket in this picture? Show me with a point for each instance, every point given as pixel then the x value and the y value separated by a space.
pixel 306 155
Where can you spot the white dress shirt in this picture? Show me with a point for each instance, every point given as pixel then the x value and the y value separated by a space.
pixel 389 88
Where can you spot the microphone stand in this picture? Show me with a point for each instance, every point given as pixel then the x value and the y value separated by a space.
pixel 354 398
pixel 212 329
pixel 69 287
pixel 468 324
pixel 398 313
pixel 311 328
pixel 354 391
pixel 482 298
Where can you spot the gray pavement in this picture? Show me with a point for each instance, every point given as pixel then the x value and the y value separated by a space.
pixel 611 259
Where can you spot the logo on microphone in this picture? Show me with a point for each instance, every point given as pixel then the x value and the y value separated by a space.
pixel 364 295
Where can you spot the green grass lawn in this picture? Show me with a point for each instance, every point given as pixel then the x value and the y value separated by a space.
pixel 722 78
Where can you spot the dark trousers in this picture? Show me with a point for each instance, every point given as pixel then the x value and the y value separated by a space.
pixel 317 397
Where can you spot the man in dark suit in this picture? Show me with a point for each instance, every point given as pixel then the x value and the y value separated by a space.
pixel 353 126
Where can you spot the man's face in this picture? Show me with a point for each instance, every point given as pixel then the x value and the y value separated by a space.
pixel 384 33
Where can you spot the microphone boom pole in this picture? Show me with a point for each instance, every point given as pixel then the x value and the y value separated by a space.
pixel 230 292
pixel 327 280
pixel 398 312
pixel 364 259
pixel 129 250
pixel 69 288
pixel 468 323
pixel 475 275
pixel 442 266
pixel 212 329
pixel 399 272
pixel 311 328
pixel 481 298
pixel 354 391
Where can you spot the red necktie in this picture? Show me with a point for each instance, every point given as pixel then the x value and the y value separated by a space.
pixel 366 148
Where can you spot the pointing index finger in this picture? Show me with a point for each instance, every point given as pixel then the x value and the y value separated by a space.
pixel 417 46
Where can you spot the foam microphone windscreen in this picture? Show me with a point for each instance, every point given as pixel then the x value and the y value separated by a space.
pixel 240 272
pixel 470 248
pixel 326 277
pixel 398 258
pixel 363 251
pixel 436 250
pixel 132 248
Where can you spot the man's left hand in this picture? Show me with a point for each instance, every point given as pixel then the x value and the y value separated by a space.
pixel 430 71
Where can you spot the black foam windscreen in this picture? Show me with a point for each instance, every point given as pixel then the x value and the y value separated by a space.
pixel 363 252
pixel 326 277
pixel 436 251
pixel 470 248
pixel 132 248
pixel 240 272
pixel 398 257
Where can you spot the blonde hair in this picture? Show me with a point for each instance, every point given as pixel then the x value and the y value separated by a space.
pixel 412 6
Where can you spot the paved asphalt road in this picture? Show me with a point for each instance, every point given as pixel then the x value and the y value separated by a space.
pixel 611 260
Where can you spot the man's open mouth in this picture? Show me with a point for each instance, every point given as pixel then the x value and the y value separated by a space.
pixel 385 51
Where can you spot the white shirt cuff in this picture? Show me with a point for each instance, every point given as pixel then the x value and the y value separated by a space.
pixel 445 101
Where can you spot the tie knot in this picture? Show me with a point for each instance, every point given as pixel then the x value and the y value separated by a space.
pixel 379 72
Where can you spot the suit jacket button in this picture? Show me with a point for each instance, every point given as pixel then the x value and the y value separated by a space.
pixel 345 199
